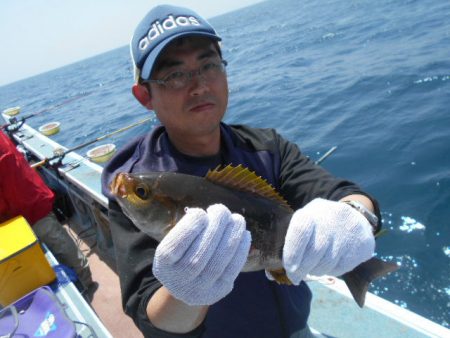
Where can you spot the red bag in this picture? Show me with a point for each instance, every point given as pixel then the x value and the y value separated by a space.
pixel 22 190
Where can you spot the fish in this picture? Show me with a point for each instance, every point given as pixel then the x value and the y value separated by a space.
pixel 156 201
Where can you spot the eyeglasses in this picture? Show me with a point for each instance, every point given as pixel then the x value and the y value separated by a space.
pixel 180 79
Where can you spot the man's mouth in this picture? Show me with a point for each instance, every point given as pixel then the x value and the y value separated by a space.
pixel 201 107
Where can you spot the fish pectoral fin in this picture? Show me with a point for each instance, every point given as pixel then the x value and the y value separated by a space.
pixel 280 276
pixel 359 278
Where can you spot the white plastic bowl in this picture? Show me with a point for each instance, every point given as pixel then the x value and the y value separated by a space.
pixel 50 128
pixel 12 111
pixel 101 153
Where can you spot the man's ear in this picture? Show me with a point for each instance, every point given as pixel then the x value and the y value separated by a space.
pixel 142 94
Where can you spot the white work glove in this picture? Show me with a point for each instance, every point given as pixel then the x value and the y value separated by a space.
pixel 326 238
pixel 200 258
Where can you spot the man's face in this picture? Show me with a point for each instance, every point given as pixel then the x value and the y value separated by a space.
pixel 197 109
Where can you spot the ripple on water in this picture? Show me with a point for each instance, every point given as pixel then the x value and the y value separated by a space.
pixel 410 224
pixel 446 250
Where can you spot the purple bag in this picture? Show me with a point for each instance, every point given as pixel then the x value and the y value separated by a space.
pixel 37 314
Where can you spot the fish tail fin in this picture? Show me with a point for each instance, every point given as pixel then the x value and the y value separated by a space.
pixel 359 278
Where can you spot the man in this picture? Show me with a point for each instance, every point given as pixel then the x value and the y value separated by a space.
pixel 23 192
pixel 189 284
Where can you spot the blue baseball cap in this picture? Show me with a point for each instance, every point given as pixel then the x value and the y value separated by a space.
pixel 158 28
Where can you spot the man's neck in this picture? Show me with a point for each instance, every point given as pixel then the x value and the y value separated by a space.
pixel 197 146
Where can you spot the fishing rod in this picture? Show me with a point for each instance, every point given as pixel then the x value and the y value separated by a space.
pixel 324 156
pixel 60 154
pixel 21 121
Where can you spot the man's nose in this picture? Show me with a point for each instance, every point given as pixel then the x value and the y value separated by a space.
pixel 198 83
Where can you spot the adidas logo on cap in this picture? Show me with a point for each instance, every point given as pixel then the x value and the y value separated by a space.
pixel 171 22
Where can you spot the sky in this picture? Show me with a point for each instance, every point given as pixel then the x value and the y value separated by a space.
pixel 39 35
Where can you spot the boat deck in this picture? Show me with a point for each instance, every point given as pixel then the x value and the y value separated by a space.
pixel 106 300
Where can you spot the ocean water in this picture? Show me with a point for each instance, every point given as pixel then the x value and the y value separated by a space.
pixel 370 77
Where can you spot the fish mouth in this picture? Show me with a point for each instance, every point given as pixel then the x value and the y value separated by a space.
pixel 121 185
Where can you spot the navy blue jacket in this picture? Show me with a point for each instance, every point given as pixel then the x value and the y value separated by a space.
pixel 256 307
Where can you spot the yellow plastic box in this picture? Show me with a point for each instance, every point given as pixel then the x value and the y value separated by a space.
pixel 23 266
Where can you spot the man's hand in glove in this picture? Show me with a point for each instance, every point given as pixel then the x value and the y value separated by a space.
pixel 326 238
pixel 200 258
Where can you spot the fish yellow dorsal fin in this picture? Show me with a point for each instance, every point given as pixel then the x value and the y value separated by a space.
pixel 241 178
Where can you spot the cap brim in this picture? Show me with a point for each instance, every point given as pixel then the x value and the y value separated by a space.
pixel 147 68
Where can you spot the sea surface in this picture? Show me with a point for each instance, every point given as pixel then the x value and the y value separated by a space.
pixel 370 77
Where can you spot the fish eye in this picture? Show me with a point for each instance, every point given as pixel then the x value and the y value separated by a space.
pixel 142 191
